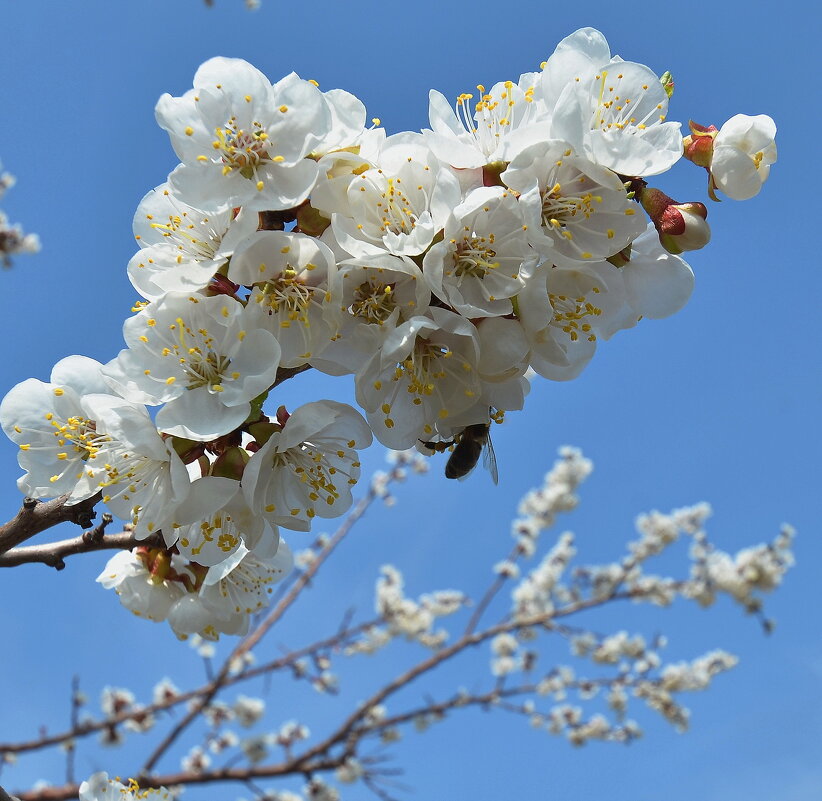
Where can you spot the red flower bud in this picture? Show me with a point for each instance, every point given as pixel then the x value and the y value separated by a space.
pixel 681 226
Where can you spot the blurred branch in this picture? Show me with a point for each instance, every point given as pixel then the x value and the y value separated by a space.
pixel 92 727
pixel 4 796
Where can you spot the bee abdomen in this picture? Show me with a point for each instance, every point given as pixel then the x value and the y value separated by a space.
pixel 467 452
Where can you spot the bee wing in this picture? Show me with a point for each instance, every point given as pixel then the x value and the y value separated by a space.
pixel 489 459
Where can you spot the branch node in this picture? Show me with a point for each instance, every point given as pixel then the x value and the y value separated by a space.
pixel 30 503
pixel 84 518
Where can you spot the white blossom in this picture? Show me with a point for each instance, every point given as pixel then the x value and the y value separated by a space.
pixel 612 111
pixel 308 467
pixel 744 150
pixel 201 357
pixel 242 141
pixel 182 247
pixel 475 269
pixel 248 710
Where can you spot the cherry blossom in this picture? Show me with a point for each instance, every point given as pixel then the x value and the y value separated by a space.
pixel 744 150
pixel 201 357
pixel 242 141
pixel 307 468
pixel 181 246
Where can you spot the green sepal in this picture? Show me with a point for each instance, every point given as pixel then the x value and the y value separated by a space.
pixel 230 463
pixel 262 431
pixel 256 408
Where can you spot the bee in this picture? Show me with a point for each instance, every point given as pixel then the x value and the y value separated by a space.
pixel 472 441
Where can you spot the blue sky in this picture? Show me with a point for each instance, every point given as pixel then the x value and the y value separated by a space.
pixel 719 403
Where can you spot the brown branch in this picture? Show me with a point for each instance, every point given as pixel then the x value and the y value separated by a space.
pixel 487 699
pixel 545 620
pixel 4 796
pixel 36 516
pixel 317 758
pixel 490 594
pixel 284 373
pixel 69 792
pixel 53 554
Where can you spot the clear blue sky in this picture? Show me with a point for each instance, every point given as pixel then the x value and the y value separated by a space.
pixel 720 403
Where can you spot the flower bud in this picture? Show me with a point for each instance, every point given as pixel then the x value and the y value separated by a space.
pixel 230 463
pixel 667 81
pixel 310 221
pixel 681 226
pixel 699 146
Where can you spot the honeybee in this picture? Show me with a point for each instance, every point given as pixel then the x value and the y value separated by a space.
pixel 472 441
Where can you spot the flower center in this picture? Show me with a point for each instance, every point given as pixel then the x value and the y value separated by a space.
pixel 287 296
pixel 571 315
pixel 373 301
pixel 240 150
pixel 396 209
pixel 83 436
pixel 474 256
pixel 558 210
pixel 200 363
pixel 181 231
pixel 312 467
pixel 220 527
pixel 206 369
pixel 490 119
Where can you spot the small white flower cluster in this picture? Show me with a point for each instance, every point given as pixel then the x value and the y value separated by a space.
pixel 682 677
pixel 413 620
pixel 248 711
pixel 12 238
pixel 545 599
pixel 534 595
pixel 539 507
pixel 640 673
pixel 505 648
pixel 196 760
pixel 350 771
pixel 752 570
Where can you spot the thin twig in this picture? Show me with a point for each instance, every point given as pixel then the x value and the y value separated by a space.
pixel 490 594
pixel 74 717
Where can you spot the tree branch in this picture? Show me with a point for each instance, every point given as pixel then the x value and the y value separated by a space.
pixel 4 796
pixel 53 554
pixel 36 516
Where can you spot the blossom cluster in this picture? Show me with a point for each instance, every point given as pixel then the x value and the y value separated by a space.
pixel 12 238
pixel 441 268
